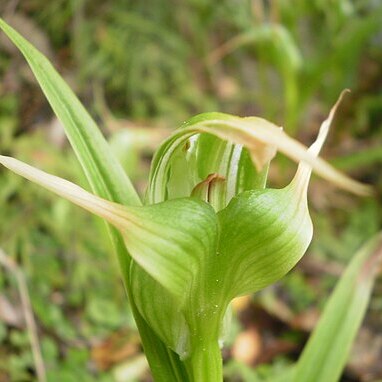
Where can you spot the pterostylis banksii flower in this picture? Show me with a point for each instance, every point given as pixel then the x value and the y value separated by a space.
pixel 208 231
pixel 198 246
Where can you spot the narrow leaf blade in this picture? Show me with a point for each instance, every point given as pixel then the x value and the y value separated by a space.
pixel 102 169
pixel 327 350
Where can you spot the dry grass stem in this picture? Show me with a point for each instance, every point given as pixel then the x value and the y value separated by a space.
pixel 12 267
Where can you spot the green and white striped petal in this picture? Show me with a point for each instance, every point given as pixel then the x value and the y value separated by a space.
pixel 264 233
pixel 169 240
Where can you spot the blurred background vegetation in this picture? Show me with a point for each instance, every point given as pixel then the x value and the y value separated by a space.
pixel 141 68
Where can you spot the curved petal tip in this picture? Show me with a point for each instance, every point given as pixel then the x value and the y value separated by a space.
pixel 302 177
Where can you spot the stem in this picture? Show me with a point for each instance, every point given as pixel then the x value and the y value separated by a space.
pixel 205 363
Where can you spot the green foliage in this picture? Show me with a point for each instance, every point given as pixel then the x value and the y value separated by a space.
pixel 326 352
pixel 189 262
pixel 275 57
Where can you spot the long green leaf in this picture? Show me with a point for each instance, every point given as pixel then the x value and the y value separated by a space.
pixel 106 178
pixel 102 169
pixel 327 350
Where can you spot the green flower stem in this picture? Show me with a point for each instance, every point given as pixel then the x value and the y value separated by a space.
pixel 205 363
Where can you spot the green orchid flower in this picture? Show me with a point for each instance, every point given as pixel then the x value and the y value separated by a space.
pixel 193 251
pixel 208 231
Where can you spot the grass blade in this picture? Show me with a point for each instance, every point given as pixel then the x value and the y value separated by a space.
pixel 102 169
pixel 327 350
